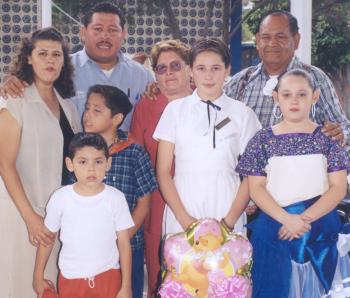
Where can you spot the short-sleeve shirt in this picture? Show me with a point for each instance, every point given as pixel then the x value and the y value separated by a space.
pixel 131 172
pixel 88 226
pixel 129 76
pixel 295 164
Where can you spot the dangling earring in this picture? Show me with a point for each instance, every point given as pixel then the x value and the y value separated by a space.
pixel 274 112
pixel 313 110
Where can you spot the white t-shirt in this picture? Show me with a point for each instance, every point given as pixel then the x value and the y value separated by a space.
pixel 88 227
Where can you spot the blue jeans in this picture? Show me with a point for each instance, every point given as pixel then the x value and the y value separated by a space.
pixel 137 272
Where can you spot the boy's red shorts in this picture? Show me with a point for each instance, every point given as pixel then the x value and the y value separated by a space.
pixel 49 294
pixel 104 285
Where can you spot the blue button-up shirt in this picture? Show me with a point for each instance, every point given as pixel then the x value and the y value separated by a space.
pixel 129 76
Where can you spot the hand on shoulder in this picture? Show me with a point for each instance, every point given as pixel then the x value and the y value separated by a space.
pixel 334 130
pixel 152 91
pixel 12 87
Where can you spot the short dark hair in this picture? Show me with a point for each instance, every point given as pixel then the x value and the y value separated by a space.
pixel 115 99
pixel 24 71
pixel 211 45
pixel 292 20
pixel 84 139
pixel 104 7
pixel 297 72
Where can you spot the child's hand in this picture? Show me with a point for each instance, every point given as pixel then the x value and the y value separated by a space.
pixel 187 222
pixel 294 226
pixel 125 292
pixel 40 285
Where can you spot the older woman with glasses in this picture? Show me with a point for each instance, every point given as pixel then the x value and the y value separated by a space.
pixel 170 61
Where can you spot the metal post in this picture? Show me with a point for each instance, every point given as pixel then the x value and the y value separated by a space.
pixel 302 10
pixel 46 13
pixel 236 40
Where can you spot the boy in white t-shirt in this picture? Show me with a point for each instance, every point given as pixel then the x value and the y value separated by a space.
pixel 93 218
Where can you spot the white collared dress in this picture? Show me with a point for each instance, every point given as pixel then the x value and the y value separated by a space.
pixel 208 140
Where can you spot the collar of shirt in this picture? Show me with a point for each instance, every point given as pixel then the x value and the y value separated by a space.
pixel 32 94
pixel 260 71
pixel 195 99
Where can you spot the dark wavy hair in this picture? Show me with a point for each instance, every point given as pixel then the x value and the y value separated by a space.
pixel 24 71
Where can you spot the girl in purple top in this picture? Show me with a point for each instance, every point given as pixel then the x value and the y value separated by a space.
pixel 297 177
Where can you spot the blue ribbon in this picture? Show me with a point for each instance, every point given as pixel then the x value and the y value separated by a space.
pixel 317 246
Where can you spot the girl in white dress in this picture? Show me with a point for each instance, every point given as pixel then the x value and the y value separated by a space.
pixel 205 132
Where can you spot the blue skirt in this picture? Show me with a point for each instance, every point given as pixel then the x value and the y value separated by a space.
pixel 273 258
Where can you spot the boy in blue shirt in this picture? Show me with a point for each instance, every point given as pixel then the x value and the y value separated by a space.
pixel 131 171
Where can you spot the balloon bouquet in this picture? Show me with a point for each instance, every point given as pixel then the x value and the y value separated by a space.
pixel 207 260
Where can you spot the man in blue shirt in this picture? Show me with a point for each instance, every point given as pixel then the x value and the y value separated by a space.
pixel 101 60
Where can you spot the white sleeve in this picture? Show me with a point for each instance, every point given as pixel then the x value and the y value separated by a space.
pixel 122 216
pixel 54 212
pixel 250 127
pixel 166 128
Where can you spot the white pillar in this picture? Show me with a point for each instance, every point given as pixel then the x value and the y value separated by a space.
pixel 302 10
pixel 46 13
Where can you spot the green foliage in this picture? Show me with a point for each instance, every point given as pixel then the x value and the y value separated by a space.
pixel 331 41
pixel 247 35
pixel 261 8
pixel 330 28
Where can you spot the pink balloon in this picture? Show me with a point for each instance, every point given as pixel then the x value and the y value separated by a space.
pixel 240 251
pixel 175 248
pixel 212 263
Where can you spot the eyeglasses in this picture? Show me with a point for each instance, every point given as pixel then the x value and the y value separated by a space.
pixel 174 66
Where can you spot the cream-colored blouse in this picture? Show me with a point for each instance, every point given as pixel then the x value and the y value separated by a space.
pixel 40 154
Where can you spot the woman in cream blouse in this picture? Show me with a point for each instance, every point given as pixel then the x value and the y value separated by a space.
pixel 34 132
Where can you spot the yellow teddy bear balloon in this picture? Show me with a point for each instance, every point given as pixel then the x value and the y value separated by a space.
pixel 202 259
